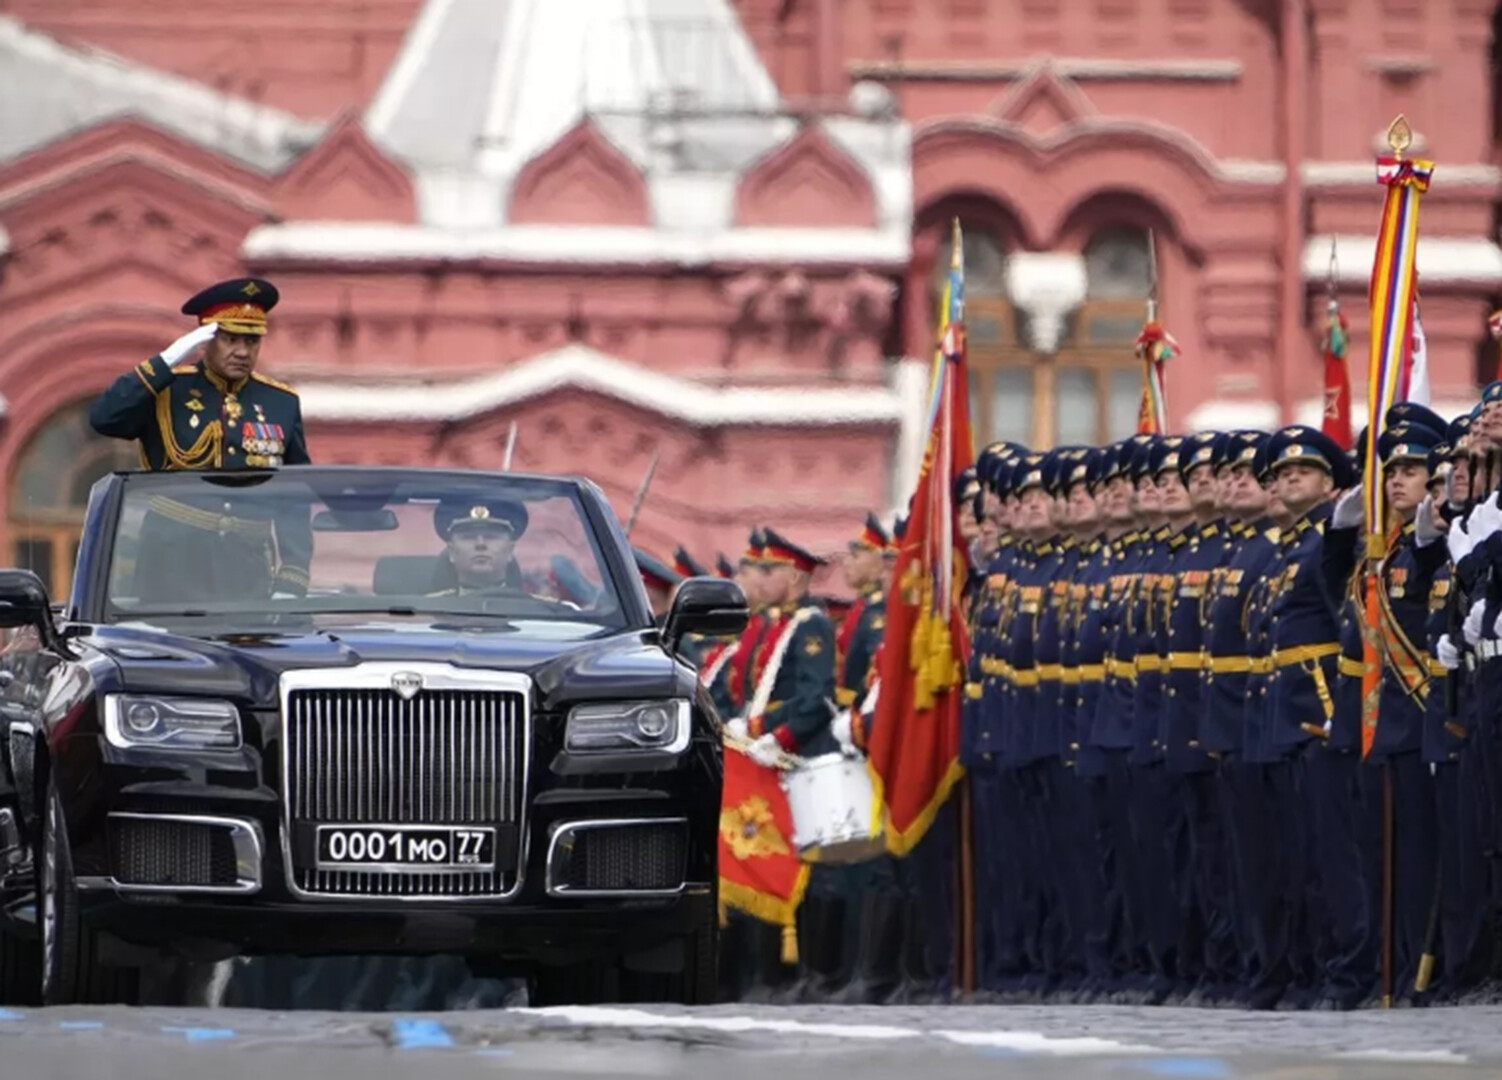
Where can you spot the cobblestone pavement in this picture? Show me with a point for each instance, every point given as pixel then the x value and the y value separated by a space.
pixel 743 1043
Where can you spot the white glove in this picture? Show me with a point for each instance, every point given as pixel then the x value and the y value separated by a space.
pixel 1448 654
pixel 840 728
pixel 1485 519
pixel 1472 625
pixel 765 751
pixel 736 728
pixel 1350 511
pixel 1426 528
pixel 188 342
pixel 1460 542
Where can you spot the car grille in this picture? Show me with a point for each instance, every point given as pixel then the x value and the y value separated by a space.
pixel 445 757
pixel 633 858
pixel 166 853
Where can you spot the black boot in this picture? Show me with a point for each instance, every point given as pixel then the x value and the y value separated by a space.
pixel 821 933
pixel 875 969
pixel 917 979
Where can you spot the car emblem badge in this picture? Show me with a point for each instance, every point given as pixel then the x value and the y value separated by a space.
pixel 406 684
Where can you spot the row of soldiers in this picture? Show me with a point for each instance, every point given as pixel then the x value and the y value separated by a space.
pixel 1189 780
pixel 1174 797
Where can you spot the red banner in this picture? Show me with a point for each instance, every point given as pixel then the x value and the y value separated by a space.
pixel 913 751
pixel 1337 422
pixel 760 872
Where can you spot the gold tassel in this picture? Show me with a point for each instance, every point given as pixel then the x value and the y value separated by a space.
pixel 790 944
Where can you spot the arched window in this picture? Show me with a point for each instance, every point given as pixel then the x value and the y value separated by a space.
pixel 50 492
pixel 1097 379
pixel 1001 382
pixel 1086 392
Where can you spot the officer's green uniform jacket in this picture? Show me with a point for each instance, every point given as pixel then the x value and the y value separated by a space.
pixel 798 712
pixel 860 649
pixel 187 417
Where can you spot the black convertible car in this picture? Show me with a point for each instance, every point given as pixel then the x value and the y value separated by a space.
pixel 357 710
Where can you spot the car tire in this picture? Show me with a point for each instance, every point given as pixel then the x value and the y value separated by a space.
pixel 70 970
pixel 699 983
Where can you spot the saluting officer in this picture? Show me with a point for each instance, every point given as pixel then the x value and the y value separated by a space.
pixel 217 412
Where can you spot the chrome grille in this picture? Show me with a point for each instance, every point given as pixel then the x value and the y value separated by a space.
pixel 368 756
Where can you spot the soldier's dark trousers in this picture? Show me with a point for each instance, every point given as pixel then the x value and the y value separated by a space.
pixel 1012 861
pixel 1048 833
pixel 1213 893
pixel 1415 856
pixel 1235 782
pixel 1076 853
pixel 1486 747
pixel 1465 914
pixel 1130 949
pixel 995 952
pixel 926 878
pixel 1103 935
pixel 1345 927
pixel 1152 813
pixel 1275 840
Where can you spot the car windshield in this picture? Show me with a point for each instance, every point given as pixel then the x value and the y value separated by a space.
pixel 332 546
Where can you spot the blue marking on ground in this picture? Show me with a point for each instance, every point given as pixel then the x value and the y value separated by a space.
pixel 494 1051
pixel 10 1014
pixel 1183 1068
pixel 420 1034
pixel 200 1034
pixel 80 1025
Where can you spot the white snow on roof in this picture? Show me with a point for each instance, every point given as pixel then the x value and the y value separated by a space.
pixel 579 367
pixel 49 90
pixel 481 87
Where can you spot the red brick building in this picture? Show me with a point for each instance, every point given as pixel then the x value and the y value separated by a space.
pixel 710 231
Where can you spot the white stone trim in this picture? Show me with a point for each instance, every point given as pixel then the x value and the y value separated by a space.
pixel 1311 411
pixel 1346 173
pixel 1440 260
pixel 1080 68
pixel 581 245
pixel 579 367
pixel 1048 286
pixel 1223 414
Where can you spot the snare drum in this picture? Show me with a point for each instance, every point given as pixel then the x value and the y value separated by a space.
pixel 833 813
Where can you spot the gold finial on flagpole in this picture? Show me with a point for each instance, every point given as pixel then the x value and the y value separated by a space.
pixel 957 248
pixel 1399 136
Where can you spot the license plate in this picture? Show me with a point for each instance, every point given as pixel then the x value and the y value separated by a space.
pixel 343 847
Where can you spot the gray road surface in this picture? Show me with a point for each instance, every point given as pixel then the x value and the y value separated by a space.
pixel 751 1043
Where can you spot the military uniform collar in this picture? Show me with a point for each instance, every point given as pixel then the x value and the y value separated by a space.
pixel 219 382
pixel 1162 533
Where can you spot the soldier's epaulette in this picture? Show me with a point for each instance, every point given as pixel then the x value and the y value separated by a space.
pixel 1273 534
pixel 185 369
pixel 274 383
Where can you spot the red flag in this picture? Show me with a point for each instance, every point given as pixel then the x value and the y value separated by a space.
pixel 1337 422
pixel 913 752
pixel 1494 326
pixel 760 872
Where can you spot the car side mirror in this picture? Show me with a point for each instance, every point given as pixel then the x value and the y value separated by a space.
pixel 23 600
pixel 711 606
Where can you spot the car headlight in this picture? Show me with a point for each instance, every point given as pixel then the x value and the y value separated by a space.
pixel 617 727
pixel 171 723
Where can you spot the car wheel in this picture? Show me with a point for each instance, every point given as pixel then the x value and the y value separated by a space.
pixel 71 973
pixel 700 980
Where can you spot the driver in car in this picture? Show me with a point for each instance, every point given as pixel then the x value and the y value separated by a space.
pixel 480 543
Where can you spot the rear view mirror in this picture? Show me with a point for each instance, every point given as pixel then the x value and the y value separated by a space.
pixel 354 521
pixel 23 599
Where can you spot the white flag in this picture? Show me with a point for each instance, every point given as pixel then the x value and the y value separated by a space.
pixel 1418 369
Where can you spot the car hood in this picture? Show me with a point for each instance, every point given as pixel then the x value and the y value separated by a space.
pixel 246 666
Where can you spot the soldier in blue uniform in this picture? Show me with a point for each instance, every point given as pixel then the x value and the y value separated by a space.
pixel 1206 943
pixel 1467 949
pixel 1405 581
pixel 1224 695
pixel 217 412
pixel 1293 636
